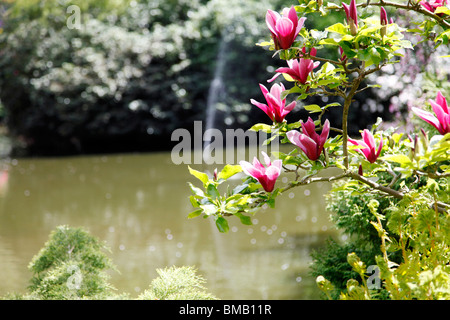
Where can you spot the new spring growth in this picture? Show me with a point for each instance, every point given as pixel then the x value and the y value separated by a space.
pixel 352 16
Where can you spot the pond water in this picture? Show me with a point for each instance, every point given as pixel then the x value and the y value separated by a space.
pixel 138 204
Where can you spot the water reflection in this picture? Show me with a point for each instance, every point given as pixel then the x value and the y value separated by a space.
pixel 138 205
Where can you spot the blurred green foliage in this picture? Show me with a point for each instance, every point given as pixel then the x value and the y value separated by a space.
pixel 73 265
pixel 132 73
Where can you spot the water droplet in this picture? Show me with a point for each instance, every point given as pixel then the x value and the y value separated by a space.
pixel 27 193
pixel 234 229
pixel 263 228
pixel 169 236
pixel 314 219
pixel 180 245
pixel 324 228
pixel 250 231
pixel 280 240
pixel 285 266
pixel 253 241
pixel 298 279
pixel 122 247
pixel 111 229
pixel 291 195
pixel 151 248
pixel 307 192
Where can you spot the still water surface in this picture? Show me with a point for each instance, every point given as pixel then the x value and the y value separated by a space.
pixel 138 205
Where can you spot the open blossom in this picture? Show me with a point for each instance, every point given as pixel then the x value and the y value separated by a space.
pixel 284 28
pixel 266 175
pixel 432 5
pixel 441 118
pixel 276 107
pixel 368 149
pixel 352 16
pixel 310 142
pixel 298 69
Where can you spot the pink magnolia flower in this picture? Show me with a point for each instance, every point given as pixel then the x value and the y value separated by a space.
pixel 275 108
pixel 432 5
pixel 368 146
pixel 310 142
pixel 284 28
pixel 298 69
pixel 352 16
pixel 441 119
pixel 268 175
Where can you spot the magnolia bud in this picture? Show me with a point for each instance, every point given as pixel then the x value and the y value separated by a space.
pixel 353 27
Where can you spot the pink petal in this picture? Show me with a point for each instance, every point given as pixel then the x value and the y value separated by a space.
pixel 309 147
pixel 440 100
pixel 293 136
pixel 277 164
pixel 325 132
pixel 249 169
pixel 368 138
pixel 263 107
pixel 301 21
pixel 276 90
pixel 274 77
pixel 263 89
pixel 266 159
pixel 428 117
pixel 379 148
pixel 271 19
pixel 284 27
pixel 290 107
pixel 272 173
pixel 309 129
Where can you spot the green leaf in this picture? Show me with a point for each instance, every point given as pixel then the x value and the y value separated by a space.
pixel 209 209
pixel 203 177
pixel 212 191
pixel 196 191
pixel 229 171
pixel 261 126
pixel 194 201
pixel 313 108
pixel 222 224
pixel 337 28
pixel 195 213
pixel 442 9
pixel 399 158
pixel 246 220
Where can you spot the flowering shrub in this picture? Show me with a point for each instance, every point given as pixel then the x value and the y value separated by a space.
pixel 413 222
